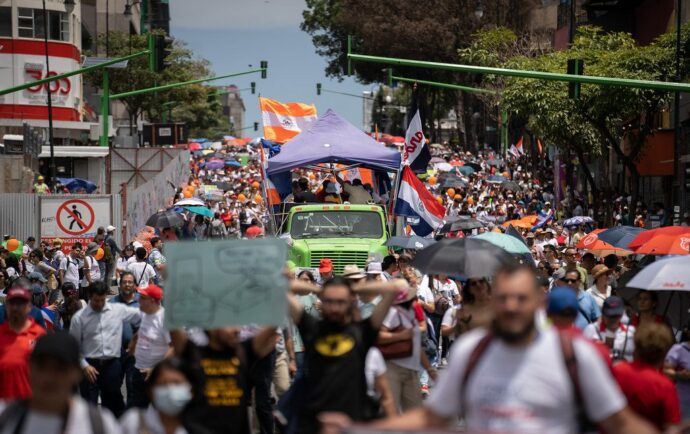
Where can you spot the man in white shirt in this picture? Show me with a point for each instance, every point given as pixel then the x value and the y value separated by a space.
pixel 70 266
pixel 153 340
pixel 92 272
pixel 520 382
pixel 143 271
pixel 98 329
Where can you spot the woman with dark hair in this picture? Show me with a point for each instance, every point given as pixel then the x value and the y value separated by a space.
pixel 70 304
pixel 475 311
pixel 544 269
pixel 169 388
pixel 12 266
pixel 123 260
pixel 647 302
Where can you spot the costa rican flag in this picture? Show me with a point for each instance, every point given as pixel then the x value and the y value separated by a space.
pixel 414 200
pixel 544 218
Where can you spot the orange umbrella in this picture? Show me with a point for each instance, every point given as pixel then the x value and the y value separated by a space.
pixel 666 245
pixel 524 223
pixel 646 236
pixel 593 244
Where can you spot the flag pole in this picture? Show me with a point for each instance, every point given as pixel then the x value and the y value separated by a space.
pixel 264 190
pixel 391 214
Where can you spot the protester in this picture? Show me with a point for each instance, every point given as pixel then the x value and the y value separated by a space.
pixel 588 311
pixel 647 302
pixel 609 330
pixel 650 394
pixel 677 368
pixel 54 373
pixel 600 289
pixel 475 310
pixel 98 329
pixel 143 272
pixel 72 267
pixel 17 338
pixel 69 305
pixel 156 259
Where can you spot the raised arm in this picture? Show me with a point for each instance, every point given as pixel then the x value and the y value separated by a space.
pixel 388 291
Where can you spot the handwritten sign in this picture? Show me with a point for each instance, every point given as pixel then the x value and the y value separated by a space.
pixel 221 283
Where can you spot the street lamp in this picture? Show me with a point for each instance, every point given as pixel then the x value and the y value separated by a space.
pixel 479 11
pixel 51 175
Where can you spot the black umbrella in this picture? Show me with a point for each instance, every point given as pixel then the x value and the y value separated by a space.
pixel 165 219
pixel 475 166
pixel 224 185
pixel 414 242
pixel 468 257
pixel 453 183
pixel 510 186
pixel 461 224
pixel 494 162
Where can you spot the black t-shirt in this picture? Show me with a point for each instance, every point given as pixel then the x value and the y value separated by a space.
pixel 335 356
pixel 305 197
pixel 221 388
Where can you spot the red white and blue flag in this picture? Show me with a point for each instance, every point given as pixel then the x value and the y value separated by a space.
pixel 544 218
pixel 414 200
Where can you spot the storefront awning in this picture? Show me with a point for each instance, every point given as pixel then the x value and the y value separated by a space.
pixel 76 151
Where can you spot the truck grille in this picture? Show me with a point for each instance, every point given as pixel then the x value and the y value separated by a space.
pixel 340 259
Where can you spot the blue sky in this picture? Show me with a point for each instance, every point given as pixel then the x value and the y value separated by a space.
pixel 234 34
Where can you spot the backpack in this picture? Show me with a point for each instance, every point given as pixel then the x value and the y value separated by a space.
pixel 585 424
pixel 17 410
pixel 80 270
pixel 441 302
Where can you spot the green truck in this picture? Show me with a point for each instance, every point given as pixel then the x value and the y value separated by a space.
pixel 345 234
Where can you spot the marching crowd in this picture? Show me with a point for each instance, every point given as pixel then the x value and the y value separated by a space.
pixel 542 345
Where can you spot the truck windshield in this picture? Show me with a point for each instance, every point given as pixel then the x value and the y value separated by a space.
pixel 336 224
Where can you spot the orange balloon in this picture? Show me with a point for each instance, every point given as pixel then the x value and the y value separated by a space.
pixel 451 192
pixel 312 176
pixel 432 180
pixel 241 197
pixel 439 199
pixel 257 198
pixel 99 254
pixel 187 194
pixel 470 200
pixel 12 245
pixel 256 184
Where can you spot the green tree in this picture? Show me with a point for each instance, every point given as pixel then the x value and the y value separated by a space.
pixel 604 117
pixel 183 66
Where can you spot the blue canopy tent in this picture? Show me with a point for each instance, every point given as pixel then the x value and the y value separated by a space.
pixel 78 185
pixel 332 139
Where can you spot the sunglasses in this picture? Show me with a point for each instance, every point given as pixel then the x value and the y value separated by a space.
pixel 571 280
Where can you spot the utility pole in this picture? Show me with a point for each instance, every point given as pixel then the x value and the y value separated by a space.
pixel 678 148
pixel 51 176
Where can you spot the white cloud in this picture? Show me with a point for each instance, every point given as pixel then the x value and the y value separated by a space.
pixel 236 14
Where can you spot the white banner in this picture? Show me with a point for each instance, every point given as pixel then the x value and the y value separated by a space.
pixel 414 139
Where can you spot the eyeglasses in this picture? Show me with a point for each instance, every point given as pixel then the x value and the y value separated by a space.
pixel 571 280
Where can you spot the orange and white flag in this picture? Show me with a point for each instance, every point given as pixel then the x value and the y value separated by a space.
pixel 283 121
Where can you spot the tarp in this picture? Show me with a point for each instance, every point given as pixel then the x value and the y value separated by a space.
pixel 332 139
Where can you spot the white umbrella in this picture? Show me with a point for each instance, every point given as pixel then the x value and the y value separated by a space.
pixel 217 146
pixel 191 201
pixel 664 275
pixel 443 167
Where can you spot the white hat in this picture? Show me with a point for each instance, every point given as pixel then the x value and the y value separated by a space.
pixel 110 228
pixel 374 268
pixel 137 244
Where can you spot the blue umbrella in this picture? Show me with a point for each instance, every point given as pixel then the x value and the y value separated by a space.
pixel 578 220
pixel 465 170
pixel 75 185
pixel 233 163
pixel 201 210
pixel 497 178
pixel 215 164
pixel 620 236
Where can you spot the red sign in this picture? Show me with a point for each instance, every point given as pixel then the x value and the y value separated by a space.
pixel 75 217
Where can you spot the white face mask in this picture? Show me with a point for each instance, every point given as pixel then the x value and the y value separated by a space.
pixel 171 399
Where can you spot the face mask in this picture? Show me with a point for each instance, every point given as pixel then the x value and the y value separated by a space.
pixel 172 398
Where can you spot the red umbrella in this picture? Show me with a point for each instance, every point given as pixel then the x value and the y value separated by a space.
pixel 194 146
pixel 646 236
pixel 666 245
pixel 592 243
pixel 397 139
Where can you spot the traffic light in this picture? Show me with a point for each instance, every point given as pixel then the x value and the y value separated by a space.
pixel 686 169
pixel 252 85
pixel 575 67
pixel 162 47
pixel 318 88
pixel 256 126
pixel 264 68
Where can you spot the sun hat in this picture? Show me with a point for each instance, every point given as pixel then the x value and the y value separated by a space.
pixel 352 271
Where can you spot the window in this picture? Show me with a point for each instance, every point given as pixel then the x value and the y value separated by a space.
pixel 5 21
pixel 30 24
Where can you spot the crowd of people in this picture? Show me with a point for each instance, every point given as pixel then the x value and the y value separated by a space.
pixel 541 345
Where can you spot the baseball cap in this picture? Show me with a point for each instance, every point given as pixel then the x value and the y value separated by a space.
pixel 325 265
pixel 559 274
pixel 37 276
pixel 153 291
pixel 110 228
pixel 562 300
pixel 613 306
pixel 60 346
pixel 18 293
pixel 91 248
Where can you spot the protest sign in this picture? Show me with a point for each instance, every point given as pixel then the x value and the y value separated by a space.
pixel 213 284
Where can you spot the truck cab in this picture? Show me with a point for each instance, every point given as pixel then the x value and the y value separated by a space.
pixel 345 234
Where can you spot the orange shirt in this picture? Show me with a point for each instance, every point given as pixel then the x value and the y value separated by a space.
pixel 15 349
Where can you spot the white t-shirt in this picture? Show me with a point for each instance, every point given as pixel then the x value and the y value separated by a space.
pixel 131 422
pixel 143 272
pixel 524 389
pixel 71 267
pixel 94 271
pixel 78 421
pixel 449 319
pixel 623 338
pixel 374 367
pixel 153 341
pixel 424 293
pixel 447 288
pixel 393 318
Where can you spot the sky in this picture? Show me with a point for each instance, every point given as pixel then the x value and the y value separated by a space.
pixel 233 34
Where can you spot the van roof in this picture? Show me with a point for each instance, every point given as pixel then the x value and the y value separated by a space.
pixel 335 207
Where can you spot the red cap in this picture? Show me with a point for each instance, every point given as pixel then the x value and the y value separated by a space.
pixel 153 291
pixel 325 266
pixel 22 293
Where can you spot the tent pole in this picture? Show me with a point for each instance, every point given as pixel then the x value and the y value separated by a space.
pixel 393 201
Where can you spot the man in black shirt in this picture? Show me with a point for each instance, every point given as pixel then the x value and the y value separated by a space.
pixel 305 195
pixel 336 347
pixel 221 370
